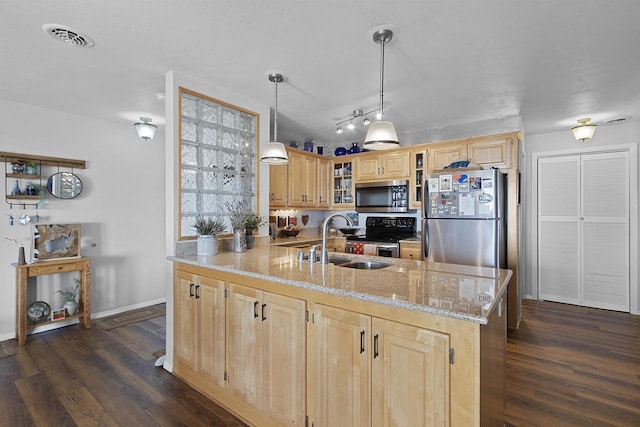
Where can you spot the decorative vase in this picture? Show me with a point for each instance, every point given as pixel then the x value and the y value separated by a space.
pixel 308 145
pixel 31 170
pixel 354 148
pixel 207 245
pixel 239 240
pixel 21 260
pixel 251 239
pixel 16 190
pixel 71 307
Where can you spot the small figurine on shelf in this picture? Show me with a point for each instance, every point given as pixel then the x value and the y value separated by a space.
pixel 17 167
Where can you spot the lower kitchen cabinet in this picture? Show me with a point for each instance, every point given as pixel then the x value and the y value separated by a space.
pixel 266 352
pixel 200 325
pixel 377 372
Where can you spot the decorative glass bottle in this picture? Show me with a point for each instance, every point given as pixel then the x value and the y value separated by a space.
pixel 16 190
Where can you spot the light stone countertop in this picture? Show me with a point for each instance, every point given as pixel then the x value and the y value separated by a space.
pixel 457 291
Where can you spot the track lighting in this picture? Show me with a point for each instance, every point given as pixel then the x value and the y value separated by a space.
pixel 351 126
pixel 366 121
pixel 356 113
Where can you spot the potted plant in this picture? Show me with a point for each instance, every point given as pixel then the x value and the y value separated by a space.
pixel 238 213
pixel 31 168
pixel 207 229
pixel 71 298
pixel 252 223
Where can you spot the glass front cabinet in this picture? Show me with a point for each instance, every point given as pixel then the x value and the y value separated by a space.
pixel 418 175
pixel 343 195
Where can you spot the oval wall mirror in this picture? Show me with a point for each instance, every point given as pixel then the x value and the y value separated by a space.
pixel 64 185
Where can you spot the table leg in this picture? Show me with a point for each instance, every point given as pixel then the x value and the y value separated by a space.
pixel 21 305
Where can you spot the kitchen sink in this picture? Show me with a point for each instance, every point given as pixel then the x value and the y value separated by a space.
pixel 365 265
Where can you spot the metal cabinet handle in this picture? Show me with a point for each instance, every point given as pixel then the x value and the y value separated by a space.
pixel 361 342
pixel 375 346
pixel 197 291
pixel 263 316
pixel 191 289
pixel 255 309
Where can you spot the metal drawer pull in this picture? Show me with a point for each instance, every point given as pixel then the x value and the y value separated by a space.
pixel 191 289
pixel 361 342
pixel 263 316
pixel 197 291
pixel 375 346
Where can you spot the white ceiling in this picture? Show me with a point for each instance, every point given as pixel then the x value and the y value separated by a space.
pixel 451 63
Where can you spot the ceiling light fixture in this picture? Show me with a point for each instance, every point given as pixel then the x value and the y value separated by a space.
pixel 275 153
pixel 351 126
pixel 356 113
pixel 366 121
pixel 339 130
pixel 585 130
pixel 145 129
pixel 381 134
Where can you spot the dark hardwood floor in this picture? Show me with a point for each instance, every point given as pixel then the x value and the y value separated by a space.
pixel 90 377
pixel 573 366
pixel 567 366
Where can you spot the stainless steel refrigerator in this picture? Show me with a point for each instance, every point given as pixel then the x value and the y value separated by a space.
pixel 464 219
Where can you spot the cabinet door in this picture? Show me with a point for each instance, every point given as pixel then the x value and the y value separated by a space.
pixel 284 349
pixel 185 320
pixel 211 329
pixel 296 179
pixel 395 165
pixel 367 167
pixel 410 375
pixel 278 185
pixel 342 389
pixel 439 157
pixel 418 167
pixel 325 179
pixel 310 180
pixel 411 251
pixel 243 348
pixel 491 153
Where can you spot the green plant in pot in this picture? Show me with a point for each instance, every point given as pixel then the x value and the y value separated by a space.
pixel 252 223
pixel 31 168
pixel 207 229
pixel 71 298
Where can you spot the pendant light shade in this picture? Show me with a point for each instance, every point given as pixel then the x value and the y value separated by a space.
pixel 145 129
pixel 275 153
pixel 381 134
pixel 584 131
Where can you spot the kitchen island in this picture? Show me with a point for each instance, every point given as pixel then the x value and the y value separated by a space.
pixel 279 341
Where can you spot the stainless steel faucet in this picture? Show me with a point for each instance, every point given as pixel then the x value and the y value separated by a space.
pixel 324 254
pixel 312 253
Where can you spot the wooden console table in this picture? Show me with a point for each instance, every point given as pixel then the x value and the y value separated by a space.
pixel 23 272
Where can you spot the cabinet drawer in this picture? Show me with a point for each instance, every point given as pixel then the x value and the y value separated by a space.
pixel 51 269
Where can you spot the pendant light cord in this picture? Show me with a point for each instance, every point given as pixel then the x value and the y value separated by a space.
pixel 275 111
pixel 383 42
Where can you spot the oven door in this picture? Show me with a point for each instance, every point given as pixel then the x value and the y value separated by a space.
pixel 389 250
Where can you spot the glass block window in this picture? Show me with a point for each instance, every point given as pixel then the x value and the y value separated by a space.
pixel 218 147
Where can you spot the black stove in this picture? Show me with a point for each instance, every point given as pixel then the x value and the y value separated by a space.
pixel 385 229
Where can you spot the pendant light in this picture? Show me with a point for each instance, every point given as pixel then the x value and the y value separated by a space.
pixel 274 152
pixel 381 134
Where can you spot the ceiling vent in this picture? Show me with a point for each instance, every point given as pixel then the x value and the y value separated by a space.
pixel 67 35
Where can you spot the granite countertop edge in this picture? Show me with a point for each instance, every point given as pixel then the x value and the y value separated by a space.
pixel 350 294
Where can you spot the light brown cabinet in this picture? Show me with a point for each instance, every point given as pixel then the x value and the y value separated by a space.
pixel 278 189
pixel 343 185
pixel 388 165
pixel 200 325
pixel 302 180
pixel 484 151
pixel 371 371
pixel 418 168
pixel 411 250
pixel 325 171
pixel 266 352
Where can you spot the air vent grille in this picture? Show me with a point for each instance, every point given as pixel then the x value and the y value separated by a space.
pixel 67 35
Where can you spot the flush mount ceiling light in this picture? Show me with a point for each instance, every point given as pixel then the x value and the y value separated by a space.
pixel 145 129
pixel 274 152
pixel 381 134
pixel 585 130
pixel 67 35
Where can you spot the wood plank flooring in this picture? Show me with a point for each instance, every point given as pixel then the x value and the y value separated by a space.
pixel 566 366
pixel 573 366
pixel 86 377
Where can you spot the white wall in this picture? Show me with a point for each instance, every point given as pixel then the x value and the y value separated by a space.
pixel 121 208
pixel 172 82
pixel 559 142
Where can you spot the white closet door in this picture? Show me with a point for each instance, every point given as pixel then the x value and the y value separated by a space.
pixel 558 229
pixel 605 230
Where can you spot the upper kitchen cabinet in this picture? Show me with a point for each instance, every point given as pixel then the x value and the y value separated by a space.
pixel 490 151
pixel 278 189
pixel 418 167
pixel 303 180
pixel 342 180
pixel 377 166
pixel 325 171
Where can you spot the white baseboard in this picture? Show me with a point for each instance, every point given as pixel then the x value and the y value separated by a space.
pixel 127 308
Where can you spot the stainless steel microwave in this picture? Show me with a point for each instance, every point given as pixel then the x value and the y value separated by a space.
pixel 383 196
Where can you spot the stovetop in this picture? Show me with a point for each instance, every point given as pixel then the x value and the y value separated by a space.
pixel 387 229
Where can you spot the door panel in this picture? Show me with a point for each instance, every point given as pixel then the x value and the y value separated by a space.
pixel 211 329
pixel 463 241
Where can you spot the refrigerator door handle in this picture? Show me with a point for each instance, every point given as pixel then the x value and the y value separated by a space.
pixel 425 238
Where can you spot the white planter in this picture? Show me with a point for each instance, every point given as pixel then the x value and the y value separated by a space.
pixel 71 307
pixel 207 245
